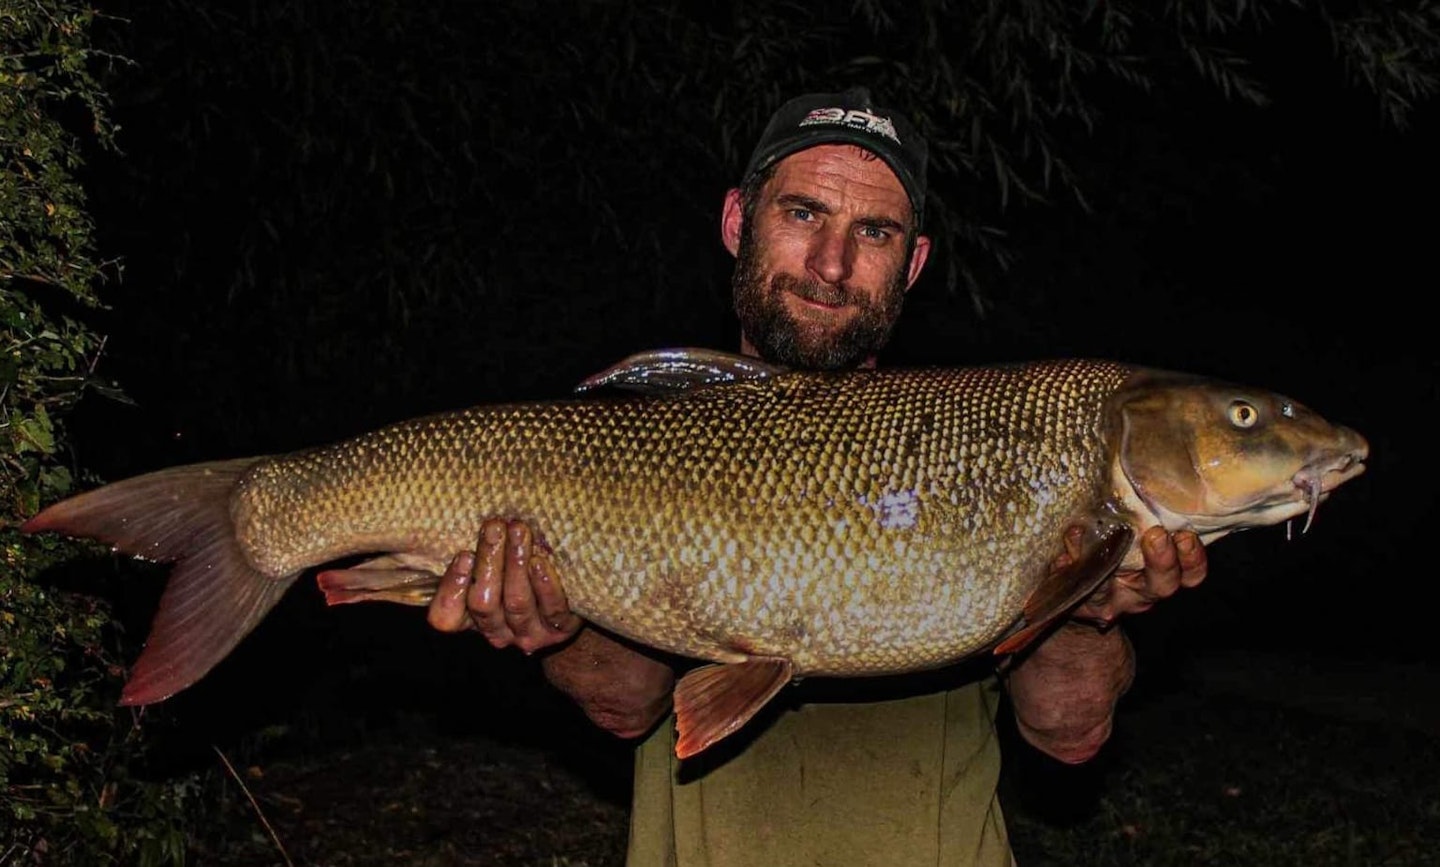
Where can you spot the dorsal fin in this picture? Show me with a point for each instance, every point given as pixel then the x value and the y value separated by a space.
pixel 670 371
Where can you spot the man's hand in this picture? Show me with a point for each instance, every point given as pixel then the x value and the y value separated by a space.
pixel 510 591
pixel 1064 691
pixel 1170 563
pixel 507 590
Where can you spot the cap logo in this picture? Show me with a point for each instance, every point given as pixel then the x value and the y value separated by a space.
pixel 855 119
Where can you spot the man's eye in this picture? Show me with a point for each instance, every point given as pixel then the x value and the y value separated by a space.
pixel 874 233
pixel 802 214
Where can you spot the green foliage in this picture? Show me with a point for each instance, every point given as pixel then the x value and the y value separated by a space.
pixel 1392 49
pixel 68 785
pixel 356 186
pixel 68 793
pixel 1007 92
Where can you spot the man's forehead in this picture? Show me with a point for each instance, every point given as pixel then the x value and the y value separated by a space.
pixel 854 168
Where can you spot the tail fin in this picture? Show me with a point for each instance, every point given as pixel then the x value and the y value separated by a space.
pixel 214 596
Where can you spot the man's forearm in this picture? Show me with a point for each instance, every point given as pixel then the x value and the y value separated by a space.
pixel 622 690
pixel 1064 692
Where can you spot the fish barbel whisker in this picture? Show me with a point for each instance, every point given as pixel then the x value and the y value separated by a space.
pixel 1311 482
pixel 1312 496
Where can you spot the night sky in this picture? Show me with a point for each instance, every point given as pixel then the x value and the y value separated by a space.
pixel 315 244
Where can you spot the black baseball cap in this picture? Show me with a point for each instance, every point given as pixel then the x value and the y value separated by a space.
pixel 845 118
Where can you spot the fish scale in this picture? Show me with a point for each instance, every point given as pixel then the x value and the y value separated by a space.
pixel 735 520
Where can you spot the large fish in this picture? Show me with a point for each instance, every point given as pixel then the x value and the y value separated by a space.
pixel 775 523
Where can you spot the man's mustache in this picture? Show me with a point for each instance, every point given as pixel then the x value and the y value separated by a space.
pixel 819 293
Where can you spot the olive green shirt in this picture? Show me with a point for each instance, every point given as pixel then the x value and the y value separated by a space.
pixel 892 783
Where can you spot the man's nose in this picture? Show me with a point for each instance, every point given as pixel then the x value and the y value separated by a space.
pixel 830 254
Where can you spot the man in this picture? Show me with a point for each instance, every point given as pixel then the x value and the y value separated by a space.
pixel 825 230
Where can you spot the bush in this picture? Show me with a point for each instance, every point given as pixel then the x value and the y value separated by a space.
pixel 69 786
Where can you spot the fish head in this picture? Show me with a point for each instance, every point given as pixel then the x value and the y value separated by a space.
pixel 1212 457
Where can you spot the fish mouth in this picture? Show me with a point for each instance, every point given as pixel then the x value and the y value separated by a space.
pixel 1317 479
pixel 1287 499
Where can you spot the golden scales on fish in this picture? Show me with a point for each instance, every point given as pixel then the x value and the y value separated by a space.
pixel 775 523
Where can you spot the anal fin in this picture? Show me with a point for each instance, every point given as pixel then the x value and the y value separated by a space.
pixel 714 701
pixel 1065 588
pixel 402 586
pixel 405 579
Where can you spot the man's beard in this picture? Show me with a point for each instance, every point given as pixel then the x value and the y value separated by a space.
pixel 781 339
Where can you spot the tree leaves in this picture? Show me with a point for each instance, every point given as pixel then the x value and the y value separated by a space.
pixel 61 739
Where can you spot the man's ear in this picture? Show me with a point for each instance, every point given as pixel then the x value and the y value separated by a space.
pixel 917 260
pixel 732 219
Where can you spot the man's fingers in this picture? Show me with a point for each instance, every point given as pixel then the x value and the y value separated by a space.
pixel 521 613
pixel 485 599
pixel 447 610
pixel 535 606
pixel 508 590
pixel 550 599
pixel 1193 561
pixel 1161 575
pixel 1170 563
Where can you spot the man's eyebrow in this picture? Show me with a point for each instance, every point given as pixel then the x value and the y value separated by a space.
pixel 882 223
pixel 800 200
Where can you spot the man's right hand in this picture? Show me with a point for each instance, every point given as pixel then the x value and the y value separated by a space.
pixel 509 591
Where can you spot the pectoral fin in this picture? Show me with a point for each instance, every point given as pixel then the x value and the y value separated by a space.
pixel 1065 588
pixel 716 700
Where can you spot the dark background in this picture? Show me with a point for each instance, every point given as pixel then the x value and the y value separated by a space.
pixel 332 216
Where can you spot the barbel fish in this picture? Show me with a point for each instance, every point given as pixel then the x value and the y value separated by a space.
pixel 774 523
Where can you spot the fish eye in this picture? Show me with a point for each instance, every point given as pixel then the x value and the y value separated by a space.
pixel 1243 414
pixel 1287 409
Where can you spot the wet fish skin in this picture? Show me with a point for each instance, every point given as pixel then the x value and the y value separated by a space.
pixel 714 524
pixel 786 523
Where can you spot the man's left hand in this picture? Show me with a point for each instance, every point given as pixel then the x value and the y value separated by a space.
pixel 1171 562
pixel 1064 690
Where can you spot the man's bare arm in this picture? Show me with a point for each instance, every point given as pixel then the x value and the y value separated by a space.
pixel 1065 690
